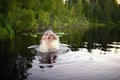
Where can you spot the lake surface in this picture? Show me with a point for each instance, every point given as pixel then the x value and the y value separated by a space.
pixel 84 55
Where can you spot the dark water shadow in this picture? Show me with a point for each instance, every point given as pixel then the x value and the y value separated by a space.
pixel 16 60
pixel 47 60
pixel 15 68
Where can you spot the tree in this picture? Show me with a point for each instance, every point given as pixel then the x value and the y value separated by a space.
pixel 43 19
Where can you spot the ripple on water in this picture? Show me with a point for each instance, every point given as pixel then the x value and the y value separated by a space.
pixel 77 65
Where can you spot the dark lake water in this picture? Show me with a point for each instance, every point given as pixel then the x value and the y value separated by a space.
pixel 85 54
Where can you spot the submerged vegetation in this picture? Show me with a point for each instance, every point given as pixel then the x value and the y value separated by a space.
pixel 24 16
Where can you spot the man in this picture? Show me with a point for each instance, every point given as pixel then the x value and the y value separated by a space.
pixel 49 42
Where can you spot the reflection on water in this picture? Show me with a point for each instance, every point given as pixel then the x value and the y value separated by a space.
pixel 48 58
pixel 14 68
pixel 18 68
pixel 92 54
pixel 15 59
pixel 78 65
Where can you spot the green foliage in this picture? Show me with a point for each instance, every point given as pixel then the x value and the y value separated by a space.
pixel 3 33
pixel 10 32
pixel 79 9
pixel 18 16
pixel 43 18
pixel 25 20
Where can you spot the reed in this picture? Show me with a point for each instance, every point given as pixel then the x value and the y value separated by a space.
pixel 3 33
pixel 6 33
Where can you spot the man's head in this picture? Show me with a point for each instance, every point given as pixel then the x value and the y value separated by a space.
pixel 49 42
pixel 49 35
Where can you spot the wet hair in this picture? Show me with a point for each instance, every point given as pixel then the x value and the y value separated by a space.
pixel 48 31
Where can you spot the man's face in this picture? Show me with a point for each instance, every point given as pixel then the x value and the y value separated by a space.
pixel 51 37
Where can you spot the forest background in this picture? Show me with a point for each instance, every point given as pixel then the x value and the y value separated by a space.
pixel 32 16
